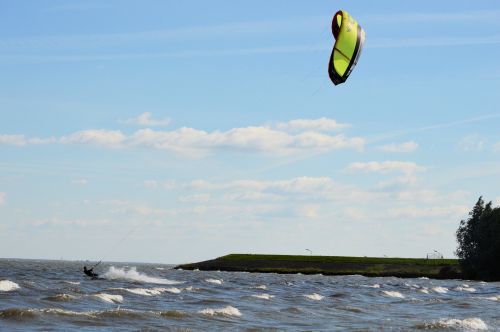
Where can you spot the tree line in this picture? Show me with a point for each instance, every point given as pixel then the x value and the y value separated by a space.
pixel 478 240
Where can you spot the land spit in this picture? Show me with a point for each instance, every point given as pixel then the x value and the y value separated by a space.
pixel 333 265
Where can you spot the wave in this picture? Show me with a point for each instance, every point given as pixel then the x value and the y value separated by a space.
pixel 465 288
pixel 441 290
pixel 474 324
pixel 215 281
pixel 110 298
pixel 372 286
pixel 263 296
pixel 151 291
pixel 133 275
pixel 60 298
pixel 394 294
pixel 424 290
pixel 226 311
pixel 72 282
pixel 20 314
pixel 7 286
pixel 314 296
pixel 261 287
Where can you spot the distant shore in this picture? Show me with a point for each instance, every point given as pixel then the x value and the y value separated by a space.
pixel 333 265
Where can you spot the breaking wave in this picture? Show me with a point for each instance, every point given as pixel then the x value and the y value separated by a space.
pixel 394 294
pixel 441 290
pixel 215 281
pixel 261 287
pixel 72 282
pixel 474 324
pixel 110 298
pixel 226 311
pixel 314 296
pixel 151 291
pixel 7 286
pixel 60 298
pixel 133 275
pixel 263 296
pixel 465 288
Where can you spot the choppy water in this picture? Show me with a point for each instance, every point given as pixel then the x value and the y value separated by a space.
pixel 55 295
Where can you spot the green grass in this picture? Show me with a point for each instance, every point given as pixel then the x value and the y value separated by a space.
pixel 339 259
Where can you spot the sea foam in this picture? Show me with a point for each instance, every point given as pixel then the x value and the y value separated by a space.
pixel 465 288
pixel 110 298
pixel 214 281
pixel 152 291
pixel 133 275
pixel 314 296
pixel 468 324
pixel 394 294
pixel 441 290
pixel 226 311
pixel 263 296
pixel 7 286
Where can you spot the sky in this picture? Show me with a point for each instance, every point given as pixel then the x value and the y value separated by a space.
pixel 179 131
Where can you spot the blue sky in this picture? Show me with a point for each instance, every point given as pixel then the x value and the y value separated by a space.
pixel 167 131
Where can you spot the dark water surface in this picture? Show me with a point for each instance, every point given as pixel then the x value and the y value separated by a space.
pixel 55 295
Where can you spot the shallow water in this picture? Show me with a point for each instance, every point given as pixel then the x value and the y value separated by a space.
pixel 55 295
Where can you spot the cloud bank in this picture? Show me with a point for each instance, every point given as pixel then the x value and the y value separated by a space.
pixel 296 136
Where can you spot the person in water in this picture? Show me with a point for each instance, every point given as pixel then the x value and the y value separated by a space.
pixel 89 272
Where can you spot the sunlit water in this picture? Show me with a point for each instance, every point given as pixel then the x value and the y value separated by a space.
pixel 55 295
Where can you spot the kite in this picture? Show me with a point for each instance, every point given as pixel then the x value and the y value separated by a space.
pixel 349 40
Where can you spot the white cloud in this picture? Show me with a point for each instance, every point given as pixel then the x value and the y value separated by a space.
pixel 198 143
pixel 2 198
pixel 81 182
pixel 98 137
pixel 472 142
pixel 401 147
pixel 195 198
pixel 428 212
pixel 145 120
pixel 496 147
pixel 386 166
pixel 150 184
pixel 322 124
pixel 127 207
pixel 21 140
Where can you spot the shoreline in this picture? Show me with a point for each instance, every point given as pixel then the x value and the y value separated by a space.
pixel 332 265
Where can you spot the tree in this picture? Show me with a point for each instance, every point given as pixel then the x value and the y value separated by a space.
pixel 478 240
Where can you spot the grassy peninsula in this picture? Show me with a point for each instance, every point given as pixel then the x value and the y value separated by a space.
pixel 333 265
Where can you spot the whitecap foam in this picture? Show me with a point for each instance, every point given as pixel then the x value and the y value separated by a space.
pixel 394 294
pixel 110 298
pixel 263 296
pixel 72 282
pixel 215 281
pixel 493 298
pixel 441 290
pixel 314 296
pixel 423 278
pixel 473 323
pixel 226 311
pixel 373 286
pixel 424 290
pixel 7 286
pixel 151 291
pixel 261 287
pixel 133 275
pixel 465 289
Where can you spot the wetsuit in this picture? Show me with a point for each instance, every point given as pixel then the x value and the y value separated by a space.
pixel 89 272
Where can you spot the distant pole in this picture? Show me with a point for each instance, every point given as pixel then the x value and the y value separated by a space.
pixel 310 252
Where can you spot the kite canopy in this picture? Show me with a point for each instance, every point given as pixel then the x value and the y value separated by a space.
pixel 349 40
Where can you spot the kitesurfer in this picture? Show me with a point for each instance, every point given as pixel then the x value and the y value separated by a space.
pixel 90 272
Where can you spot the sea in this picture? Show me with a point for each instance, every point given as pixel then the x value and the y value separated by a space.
pixel 40 295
